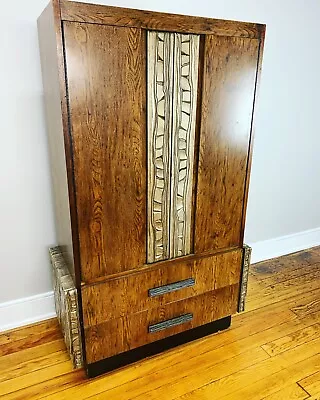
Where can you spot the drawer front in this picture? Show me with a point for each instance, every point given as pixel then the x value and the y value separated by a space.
pixel 159 285
pixel 135 330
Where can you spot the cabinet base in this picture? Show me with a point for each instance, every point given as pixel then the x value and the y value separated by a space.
pixel 111 363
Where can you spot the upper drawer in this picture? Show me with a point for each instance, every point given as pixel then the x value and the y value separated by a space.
pixel 158 285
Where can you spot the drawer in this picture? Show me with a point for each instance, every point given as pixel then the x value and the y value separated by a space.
pixel 135 330
pixel 160 284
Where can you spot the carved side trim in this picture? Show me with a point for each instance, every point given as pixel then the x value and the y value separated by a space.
pixel 186 59
pixel 66 304
pixel 247 250
pixel 159 79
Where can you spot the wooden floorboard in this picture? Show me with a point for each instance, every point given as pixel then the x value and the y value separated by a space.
pixel 271 351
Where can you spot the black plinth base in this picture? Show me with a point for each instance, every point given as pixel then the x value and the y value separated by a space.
pixel 111 363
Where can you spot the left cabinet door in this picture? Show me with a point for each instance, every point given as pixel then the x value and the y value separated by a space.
pixel 106 86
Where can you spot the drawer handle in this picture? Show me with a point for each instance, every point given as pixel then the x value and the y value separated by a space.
pixel 160 326
pixel 172 287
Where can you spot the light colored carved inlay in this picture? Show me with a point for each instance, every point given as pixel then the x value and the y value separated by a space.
pixel 172 96
pixel 160 69
pixel 247 250
pixel 66 304
pixel 186 58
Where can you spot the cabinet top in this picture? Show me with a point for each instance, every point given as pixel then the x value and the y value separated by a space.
pixel 128 17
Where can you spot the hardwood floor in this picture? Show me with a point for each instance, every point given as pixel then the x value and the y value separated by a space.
pixel 272 351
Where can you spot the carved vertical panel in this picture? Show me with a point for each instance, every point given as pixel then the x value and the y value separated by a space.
pixel 186 59
pixel 160 70
pixel 172 97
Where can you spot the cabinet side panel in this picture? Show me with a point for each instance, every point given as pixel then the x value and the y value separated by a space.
pixel 106 75
pixel 230 66
pixel 52 97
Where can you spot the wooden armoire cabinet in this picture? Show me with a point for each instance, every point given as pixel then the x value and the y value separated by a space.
pixel 150 120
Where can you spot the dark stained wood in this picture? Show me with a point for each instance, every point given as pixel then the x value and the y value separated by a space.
pixel 197 137
pixel 223 365
pixel 120 297
pixel 124 334
pixel 106 87
pixel 254 113
pixel 52 65
pixel 158 264
pixel 151 349
pixel 100 14
pixel 228 94
pixel 94 71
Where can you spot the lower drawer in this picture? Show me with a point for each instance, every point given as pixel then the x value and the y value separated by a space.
pixel 123 334
pixel 160 284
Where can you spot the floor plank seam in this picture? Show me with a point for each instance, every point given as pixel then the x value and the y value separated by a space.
pixel 278 335
pixel 309 395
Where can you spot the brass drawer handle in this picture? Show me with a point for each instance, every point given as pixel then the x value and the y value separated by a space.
pixel 160 326
pixel 172 287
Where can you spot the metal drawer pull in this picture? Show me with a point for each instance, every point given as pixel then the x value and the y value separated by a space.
pixel 160 326
pixel 172 287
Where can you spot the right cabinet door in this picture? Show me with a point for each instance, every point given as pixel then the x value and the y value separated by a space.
pixel 228 88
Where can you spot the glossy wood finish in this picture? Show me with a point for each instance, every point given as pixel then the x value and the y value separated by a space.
pixel 124 334
pixel 106 87
pixel 227 100
pixel 98 14
pixel 254 113
pixel 151 349
pixel 96 56
pixel 122 296
pixel 57 120
pixel 229 365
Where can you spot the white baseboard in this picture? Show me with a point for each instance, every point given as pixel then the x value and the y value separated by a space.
pixel 26 311
pixel 283 245
pixel 40 307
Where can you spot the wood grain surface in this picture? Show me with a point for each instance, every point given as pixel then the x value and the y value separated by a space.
pixel 57 130
pixel 123 334
pixel 106 87
pixel 129 294
pixel 253 124
pixel 228 94
pixel 228 365
pixel 100 14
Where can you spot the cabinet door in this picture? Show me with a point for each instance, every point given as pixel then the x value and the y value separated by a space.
pixel 229 76
pixel 106 82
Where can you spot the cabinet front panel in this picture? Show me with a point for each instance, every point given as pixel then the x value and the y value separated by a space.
pixel 158 286
pixel 106 79
pixel 135 330
pixel 229 77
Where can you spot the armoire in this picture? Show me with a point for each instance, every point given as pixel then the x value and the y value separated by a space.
pixel 150 120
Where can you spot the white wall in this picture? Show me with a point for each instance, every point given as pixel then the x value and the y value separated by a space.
pixel 26 210
pixel 285 174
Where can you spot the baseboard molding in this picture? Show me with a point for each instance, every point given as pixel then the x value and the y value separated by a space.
pixel 283 245
pixel 41 307
pixel 26 311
